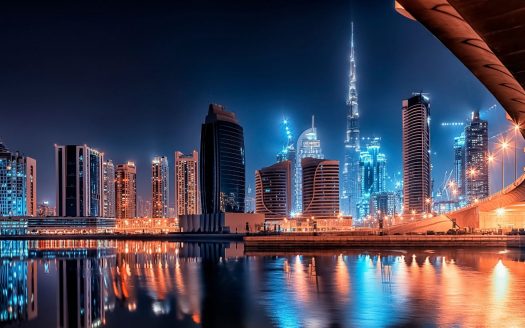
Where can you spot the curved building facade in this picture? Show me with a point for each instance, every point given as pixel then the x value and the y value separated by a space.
pixel 320 187
pixel 273 196
pixel 416 154
pixel 222 165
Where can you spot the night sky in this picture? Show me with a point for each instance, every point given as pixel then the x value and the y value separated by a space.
pixel 134 80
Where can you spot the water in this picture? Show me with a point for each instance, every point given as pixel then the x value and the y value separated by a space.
pixel 168 284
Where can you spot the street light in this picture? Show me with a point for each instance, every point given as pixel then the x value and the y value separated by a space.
pixel 516 129
pixel 504 145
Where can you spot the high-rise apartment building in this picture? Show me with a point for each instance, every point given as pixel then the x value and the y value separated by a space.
pixel 79 181
pixel 416 154
pixel 459 163
pixel 308 145
pixel 160 186
pixel 17 184
pixel 273 190
pixel 126 191
pixel 372 167
pixel 108 185
pixel 320 187
pixel 476 158
pixel 350 177
pixel 187 193
pixel 222 166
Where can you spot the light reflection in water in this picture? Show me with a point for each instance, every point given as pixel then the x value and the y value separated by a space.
pixel 141 283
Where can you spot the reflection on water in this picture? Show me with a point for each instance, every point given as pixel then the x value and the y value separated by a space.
pixel 161 284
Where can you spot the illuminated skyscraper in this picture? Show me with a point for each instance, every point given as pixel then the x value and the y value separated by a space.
pixel 126 191
pixel 273 190
pixel 459 163
pixel 416 153
pixel 187 193
pixel 222 165
pixel 372 167
pixel 160 186
pixel 476 158
pixel 79 181
pixel 108 183
pixel 308 145
pixel 17 184
pixel 350 182
pixel 320 187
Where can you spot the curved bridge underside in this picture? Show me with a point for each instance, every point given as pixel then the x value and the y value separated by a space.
pixel 488 36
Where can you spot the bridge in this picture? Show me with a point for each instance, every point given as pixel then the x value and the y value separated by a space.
pixel 487 37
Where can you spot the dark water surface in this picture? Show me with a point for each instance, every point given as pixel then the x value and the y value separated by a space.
pixel 170 284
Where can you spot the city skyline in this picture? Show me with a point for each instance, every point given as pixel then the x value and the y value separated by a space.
pixel 261 123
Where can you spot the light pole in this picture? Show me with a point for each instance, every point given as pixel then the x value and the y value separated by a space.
pixel 504 146
pixel 516 129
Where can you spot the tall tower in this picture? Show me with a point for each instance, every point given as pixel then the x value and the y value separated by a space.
pixel 308 145
pixel 159 186
pixel 372 171
pixel 476 158
pixel 350 185
pixel 187 193
pixel 126 191
pixel 108 182
pixel 416 154
pixel 222 166
pixel 79 181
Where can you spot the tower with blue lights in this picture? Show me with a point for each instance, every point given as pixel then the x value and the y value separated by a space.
pixel 350 176
pixel 372 170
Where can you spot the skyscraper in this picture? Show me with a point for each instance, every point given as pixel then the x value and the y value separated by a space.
pixel 160 186
pixel 79 181
pixel 126 191
pixel 222 165
pixel 308 145
pixel 372 172
pixel 108 183
pixel 459 163
pixel 476 158
pixel 187 193
pixel 416 153
pixel 273 190
pixel 320 187
pixel 17 184
pixel 350 182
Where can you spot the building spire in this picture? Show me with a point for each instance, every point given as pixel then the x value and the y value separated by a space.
pixel 313 122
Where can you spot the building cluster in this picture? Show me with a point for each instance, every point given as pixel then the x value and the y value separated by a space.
pixel 301 184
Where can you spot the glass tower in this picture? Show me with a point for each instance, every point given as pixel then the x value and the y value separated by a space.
pixel 17 184
pixel 476 158
pixel 350 177
pixel 308 145
pixel 372 167
pixel 79 181
pixel 222 165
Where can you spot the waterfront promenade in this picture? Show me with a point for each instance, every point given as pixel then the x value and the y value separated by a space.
pixel 326 241
pixel 307 241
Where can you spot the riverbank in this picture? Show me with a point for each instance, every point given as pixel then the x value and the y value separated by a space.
pixel 198 237
pixel 295 242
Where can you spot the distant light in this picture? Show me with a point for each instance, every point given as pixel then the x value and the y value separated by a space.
pixel 500 211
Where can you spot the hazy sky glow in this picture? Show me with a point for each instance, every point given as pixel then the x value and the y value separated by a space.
pixel 134 80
